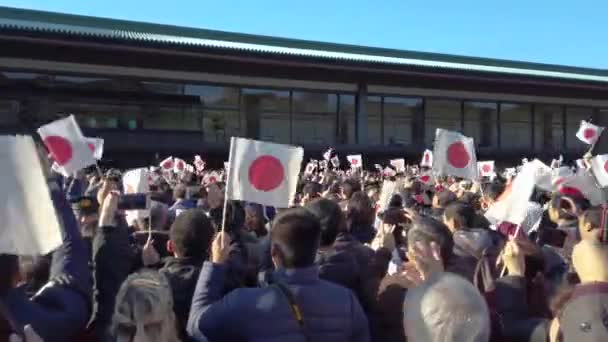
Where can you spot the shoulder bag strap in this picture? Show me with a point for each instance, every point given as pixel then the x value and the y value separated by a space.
pixel 295 308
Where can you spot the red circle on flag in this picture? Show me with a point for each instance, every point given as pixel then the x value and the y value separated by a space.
pixel 425 179
pixel 589 133
pixel 486 168
pixel 91 147
pixel 355 161
pixel 427 158
pixel 60 148
pixel 266 173
pixel 458 156
pixel 571 192
pixel 606 166
pixel 559 181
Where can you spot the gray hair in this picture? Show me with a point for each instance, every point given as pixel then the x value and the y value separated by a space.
pixel 446 308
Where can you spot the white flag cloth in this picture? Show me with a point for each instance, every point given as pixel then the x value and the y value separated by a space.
pixel 389 172
pixel 179 165
pixel 454 155
pixel 29 222
pixel 512 206
pixel 211 177
pixel 310 168
pixel 327 154
pixel 96 146
pixel 323 165
pixel 599 165
pixel 136 181
pixel 582 184
pixel 580 163
pixel 559 175
pixel 67 145
pixel 167 164
pixel 335 161
pixel 427 178
pixel 589 133
pixel 199 163
pixel 485 168
pixel 262 172
pixel 399 164
pixel 427 159
pixel 355 160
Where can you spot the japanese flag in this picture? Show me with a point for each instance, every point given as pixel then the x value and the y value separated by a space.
pixel 211 177
pixel 389 172
pixel 454 155
pixel 263 173
pixel 96 146
pixel 323 165
pixel 599 165
pixel 589 133
pixel 335 161
pixel 67 145
pixel 486 168
pixel 327 154
pixel 179 165
pixel 199 163
pixel 427 159
pixel 427 178
pixel 582 185
pixel 167 164
pixel 560 175
pixel 399 164
pixel 378 167
pixel 310 168
pixel 355 161
pixel 136 181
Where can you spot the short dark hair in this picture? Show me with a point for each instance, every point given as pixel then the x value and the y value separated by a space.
pixel 350 186
pixel 298 233
pixel 9 264
pixel 312 189
pixel 179 192
pixel 493 190
pixel 330 216
pixel 445 198
pixel 360 210
pixel 192 234
pixel 462 214
pixel 593 216
pixel 427 230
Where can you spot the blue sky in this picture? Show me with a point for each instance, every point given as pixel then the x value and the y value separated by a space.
pixel 556 32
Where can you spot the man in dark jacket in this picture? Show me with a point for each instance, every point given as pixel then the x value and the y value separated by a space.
pixel 190 238
pixel 299 306
pixel 61 309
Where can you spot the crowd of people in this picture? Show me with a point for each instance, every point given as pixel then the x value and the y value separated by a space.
pixel 350 260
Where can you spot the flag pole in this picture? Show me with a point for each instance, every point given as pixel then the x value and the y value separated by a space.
pixel 227 180
pixel 98 169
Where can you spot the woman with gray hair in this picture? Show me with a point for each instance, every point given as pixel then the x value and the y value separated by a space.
pixel 446 307
pixel 144 310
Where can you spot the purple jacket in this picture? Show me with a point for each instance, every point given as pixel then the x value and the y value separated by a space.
pixel 330 312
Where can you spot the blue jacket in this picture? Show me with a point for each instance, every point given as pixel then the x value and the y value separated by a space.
pixel 61 309
pixel 330 312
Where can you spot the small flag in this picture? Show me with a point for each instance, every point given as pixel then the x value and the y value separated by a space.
pixel 599 166
pixel 454 155
pixel 355 161
pixel 327 154
pixel 96 146
pixel 335 161
pixel 199 163
pixel 427 159
pixel 179 165
pixel 589 133
pixel 398 164
pixel 486 168
pixel 167 164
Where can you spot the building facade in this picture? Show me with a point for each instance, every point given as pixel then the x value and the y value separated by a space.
pixel 152 90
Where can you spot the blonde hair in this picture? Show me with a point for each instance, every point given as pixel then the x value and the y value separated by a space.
pixel 144 294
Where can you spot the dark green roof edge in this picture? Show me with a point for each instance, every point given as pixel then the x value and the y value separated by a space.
pixel 163 29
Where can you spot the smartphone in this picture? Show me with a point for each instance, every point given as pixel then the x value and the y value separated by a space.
pixel 134 202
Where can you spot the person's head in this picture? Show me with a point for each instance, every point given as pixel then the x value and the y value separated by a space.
pixel 562 208
pixel 427 230
pixel 590 224
pixel 179 192
pixel 443 198
pixel 159 216
pixel 215 195
pixel 349 187
pixel 446 307
pixel 295 237
pixel 360 211
pixel 331 218
pixel 491 193
pixel 458 216
pixel 144 309
pixel 190 235
pixel 310 191
pixel 254 217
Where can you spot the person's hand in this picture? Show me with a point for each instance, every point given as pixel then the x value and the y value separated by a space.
pixel 426 260
pixel 29 335
pixel 107 216
pixel 105 188
pixel 513 258
pixel 149 255
pixel 220 249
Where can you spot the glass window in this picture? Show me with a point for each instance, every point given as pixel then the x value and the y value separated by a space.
pixel 9 112
pixel 574 116
pixel 347 119
pixel 314 117
pixel 480 123
pixel 174 118
pixel 266 114
pixel 515 126
pixel 270 100
pixel 81 82
pixel 163 88
pixel 220 125
pixel 548 127
pixel 214 96
pixel 102 115
pixel 440 113
pixel 374 120
pixel 399 113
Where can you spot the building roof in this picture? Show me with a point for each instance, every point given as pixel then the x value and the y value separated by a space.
pixel 13 19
